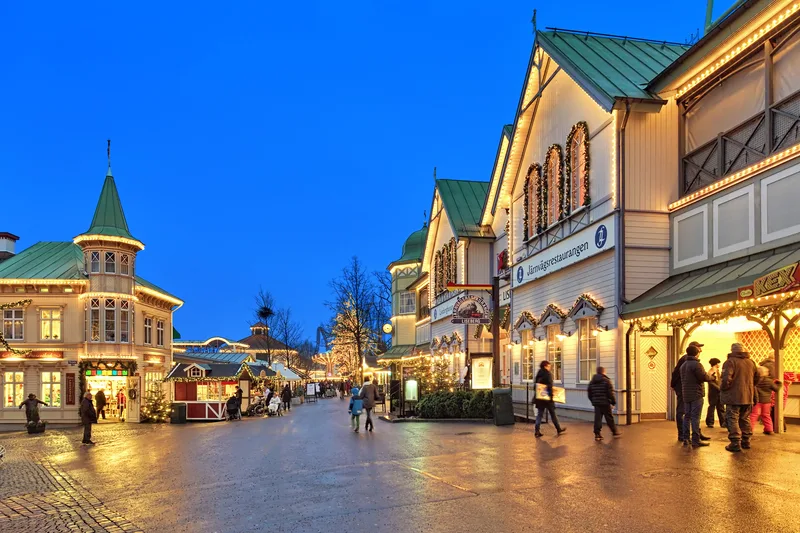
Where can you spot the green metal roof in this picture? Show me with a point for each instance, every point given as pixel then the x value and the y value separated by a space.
pixel 397 352
pixel 413 248
pixel 463 200
pixel 610 68
pixel 45 260
pixel 152 286
pixel 711 285
pixel 176 335
pixel 508 130
pixel 109 217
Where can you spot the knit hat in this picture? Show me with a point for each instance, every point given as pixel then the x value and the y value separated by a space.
pixel 714 361
pixel 737 348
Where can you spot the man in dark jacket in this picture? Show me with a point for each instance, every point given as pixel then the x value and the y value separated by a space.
pixel 100 402
pixel 601 394
pixel 714 402
pixel 693 378
pixel 738 387
pixel 369 394
pixel 88 417
pixel 675 383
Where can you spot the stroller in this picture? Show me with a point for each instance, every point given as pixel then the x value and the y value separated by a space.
pixel 275 408
pixel 232 407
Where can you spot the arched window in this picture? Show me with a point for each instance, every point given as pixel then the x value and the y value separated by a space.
pixel 554 176
pixel 578 179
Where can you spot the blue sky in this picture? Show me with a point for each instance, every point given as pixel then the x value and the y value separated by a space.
pixel 262 144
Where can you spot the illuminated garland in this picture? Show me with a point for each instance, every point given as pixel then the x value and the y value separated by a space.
pixel 506 320
pixel 526 191
pixel 445 266
pixel 534 184
pixel 583 128
pixel 453 260
pixel 478 331
pixel 3 343
pixel 548 162
pixel 526 316
pixel 700 315
pixel 552 308
pixel 589 300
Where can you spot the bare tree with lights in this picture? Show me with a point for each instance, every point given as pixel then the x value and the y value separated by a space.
pixel 289 332
pixel 264 312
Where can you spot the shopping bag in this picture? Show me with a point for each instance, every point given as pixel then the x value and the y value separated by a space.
pixel 559 395
pixel 541 392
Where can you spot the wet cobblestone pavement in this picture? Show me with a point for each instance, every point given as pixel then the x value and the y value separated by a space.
pixel 306 472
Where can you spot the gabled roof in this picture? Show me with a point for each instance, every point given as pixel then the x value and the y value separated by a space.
pixel 45 260
pixel 463 201
pixel 109 217
pixel 413 248
pixel 608 67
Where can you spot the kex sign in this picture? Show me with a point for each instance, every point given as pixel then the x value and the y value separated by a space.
pixel 781 280
pixel 471 310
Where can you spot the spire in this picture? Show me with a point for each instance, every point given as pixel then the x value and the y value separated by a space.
pixel 109 217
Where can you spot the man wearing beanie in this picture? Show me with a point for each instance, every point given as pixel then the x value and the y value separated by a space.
pixel 739 378
pixel 714 402
pixel 693 378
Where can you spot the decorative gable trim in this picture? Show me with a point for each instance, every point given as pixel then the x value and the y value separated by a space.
pixel 552 315
pixel 585 306
pixel 525 321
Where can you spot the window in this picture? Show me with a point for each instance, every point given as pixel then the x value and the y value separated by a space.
pixel 195 372
pixel 587 348
pixel 554 350
pixel 13 325
pixel 152 380
pixel 527 354
pixel 13 388
pixel 110 320
pixel 125 264
pixel 51 388
pixel 50 320
pixel 95 262
pixel 424 306
pixel 577 154
pixel 94 320
pixel 111 263
pixel 407 303
pixel 148 330
pixel 160 332
pixel 553 164
pixel 124 321
pixel 209 391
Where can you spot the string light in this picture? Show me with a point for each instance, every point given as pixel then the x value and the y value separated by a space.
pixel 109 238
pixel 742 46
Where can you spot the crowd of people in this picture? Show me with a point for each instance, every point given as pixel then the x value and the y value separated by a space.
pixel 741 393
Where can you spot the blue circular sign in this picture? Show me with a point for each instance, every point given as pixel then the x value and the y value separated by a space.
pixel 435 312
pixel 520 275
pixel 601 236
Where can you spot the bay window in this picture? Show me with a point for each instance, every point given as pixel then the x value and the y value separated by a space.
pixel 125 264
pixel 110 320
pixel 95 262
pixel 94 320
pixel 111 263
pixel 124 321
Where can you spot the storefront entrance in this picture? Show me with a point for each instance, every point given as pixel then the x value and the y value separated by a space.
pixel 111 387
pixel 116 380
pixel 654 376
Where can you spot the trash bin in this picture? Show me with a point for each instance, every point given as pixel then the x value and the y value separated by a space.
pixel 178 413
pixel 503 407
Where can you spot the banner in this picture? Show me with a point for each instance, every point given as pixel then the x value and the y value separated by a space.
pixel 471 310
pixel 782 280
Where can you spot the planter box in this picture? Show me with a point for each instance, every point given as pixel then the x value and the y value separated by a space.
pixel 36 429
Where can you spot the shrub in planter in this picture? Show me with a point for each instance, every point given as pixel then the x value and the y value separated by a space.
pixel 37 426
pixel 458 404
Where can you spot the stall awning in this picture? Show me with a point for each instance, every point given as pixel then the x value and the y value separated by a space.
pixel 397 352
pixel 711 285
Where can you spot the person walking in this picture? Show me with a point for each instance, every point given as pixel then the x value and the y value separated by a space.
pixel 100 402
pixel 763 400
pixel 31 406
pixel 88 417
pixel 239 395
pixel 369 393
pixel 601 394
pixel 544 377
pixel 675 384
pixel 354 409
pixel 739 379
pixel 693 378
pixel 286 397
pixel 714 401
pixel 122 403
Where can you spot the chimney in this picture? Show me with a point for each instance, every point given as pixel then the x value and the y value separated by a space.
pixel 8 243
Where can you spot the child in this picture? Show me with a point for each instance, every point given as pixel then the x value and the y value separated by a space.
pixel 763 399
pixel 356 405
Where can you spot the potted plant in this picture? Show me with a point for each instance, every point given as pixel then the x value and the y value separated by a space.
pixel 37 426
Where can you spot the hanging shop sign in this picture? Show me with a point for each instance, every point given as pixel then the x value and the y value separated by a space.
pixel 781 280
pixel 33 355
pixel 590 241
pixel 471 310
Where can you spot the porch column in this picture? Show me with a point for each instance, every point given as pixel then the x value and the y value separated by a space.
pixel 778 422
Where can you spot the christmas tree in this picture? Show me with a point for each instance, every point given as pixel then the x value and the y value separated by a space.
pixel 156 407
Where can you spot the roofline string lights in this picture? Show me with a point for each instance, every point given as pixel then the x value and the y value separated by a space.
pixel 742 46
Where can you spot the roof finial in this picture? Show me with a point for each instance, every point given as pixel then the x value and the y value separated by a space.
pixel 434 173
pixel 108 152
pixel 533 21
pixel 424 218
